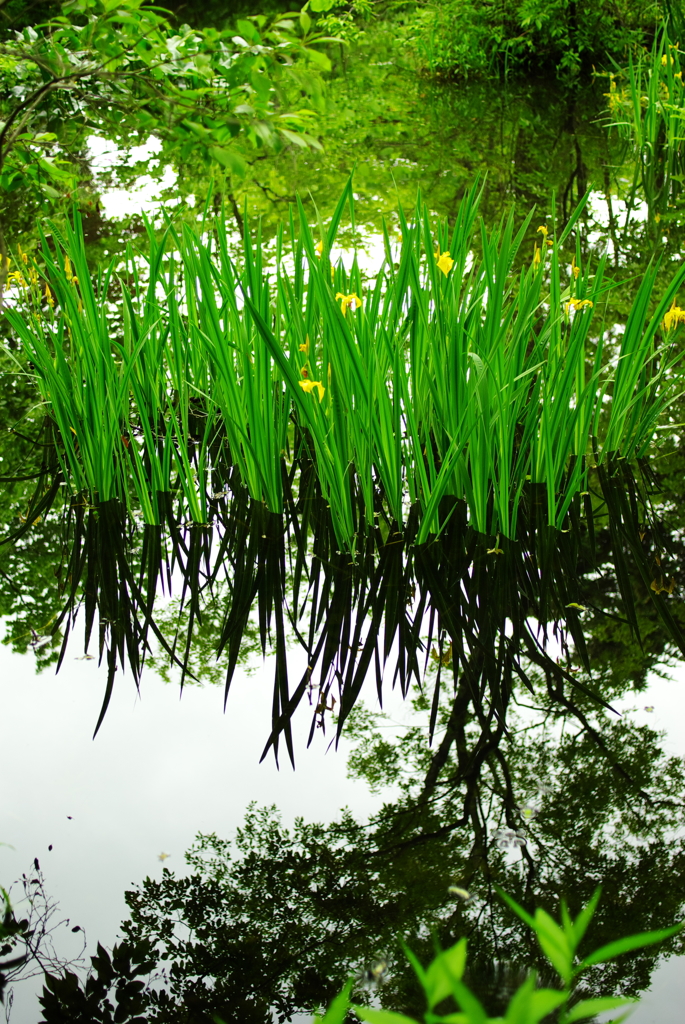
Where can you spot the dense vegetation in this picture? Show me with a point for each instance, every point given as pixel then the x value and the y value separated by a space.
pixel 422 464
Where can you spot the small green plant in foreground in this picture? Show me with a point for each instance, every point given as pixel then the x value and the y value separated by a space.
pixel 442 980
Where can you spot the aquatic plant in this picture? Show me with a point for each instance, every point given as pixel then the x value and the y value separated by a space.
pixel 646 103
pixel 463 374
pixel 454 429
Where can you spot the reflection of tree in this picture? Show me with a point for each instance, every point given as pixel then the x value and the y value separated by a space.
pixel 30 566
pixel 203 665
pixel 29 933
pixel 423 134
pixel 280 917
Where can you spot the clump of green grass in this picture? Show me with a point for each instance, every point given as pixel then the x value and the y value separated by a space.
pixel 646 101
pixel 469 368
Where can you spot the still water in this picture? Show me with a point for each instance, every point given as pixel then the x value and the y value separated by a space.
pixel 129 803
pixel 163 769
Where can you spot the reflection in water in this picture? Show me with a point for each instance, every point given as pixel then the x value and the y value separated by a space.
pixel 256 579
pixel 469 475
pixel 275 921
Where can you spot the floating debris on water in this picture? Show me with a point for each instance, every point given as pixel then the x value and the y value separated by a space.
pixel 376 974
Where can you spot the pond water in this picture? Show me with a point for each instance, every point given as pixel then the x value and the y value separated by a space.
pixel 163 769
pixel 567 797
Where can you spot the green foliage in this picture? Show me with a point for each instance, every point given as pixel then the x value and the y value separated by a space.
pixel 510 398
pixel 122 72
pixel 341 19
pixel 646 103
pixel 460 38
pixel 443 978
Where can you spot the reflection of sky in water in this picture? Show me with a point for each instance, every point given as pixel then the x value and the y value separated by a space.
pixel 144 198
pixel 160 770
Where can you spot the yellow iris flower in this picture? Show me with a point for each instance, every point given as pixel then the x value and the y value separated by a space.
pixel 578 304
pixel 675 316
pixel 309 385
pixel 348 300
pixel 319 248
pixel 662 585
pixel 15 277
pixel 445 262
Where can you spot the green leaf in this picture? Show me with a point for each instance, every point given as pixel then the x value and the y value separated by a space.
pixel 248 30
pixel 414 961
pixel 228 158
pixel 630 942
pixel 469 1003
pixel 294 137
pixel 441 974
pixel 337 1011
pixel 320 59
pixel 519 911
pixel 542 1002
pixel 529 1005
pixel 381 1016
pixel 321 5
pixel 585 916
pixel 591 1007
pixel 448 1018
pixel 554 944
pixel 518 1011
